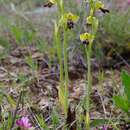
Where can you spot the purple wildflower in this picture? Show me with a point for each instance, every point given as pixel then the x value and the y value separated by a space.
pixel 128 1
pixel 104 127
pixel 24 123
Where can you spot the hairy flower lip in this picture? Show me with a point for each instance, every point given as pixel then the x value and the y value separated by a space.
pixel 104 10
pixel 85 42
pixel 48 4
pixel 70 24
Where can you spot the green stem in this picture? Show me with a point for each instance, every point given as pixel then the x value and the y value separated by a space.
pixel 89 76
pixel 63 78
pixel 89 79
pixel 66 65
pixel 65 58
pixel 59 44
pixel 59 53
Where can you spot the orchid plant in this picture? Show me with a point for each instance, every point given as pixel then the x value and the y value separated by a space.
pixel 65 23
pixel 87 39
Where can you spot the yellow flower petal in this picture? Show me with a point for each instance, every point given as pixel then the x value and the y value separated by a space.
pixel 52 1
pixel 99 5
pixel 70 16
pixel 86 36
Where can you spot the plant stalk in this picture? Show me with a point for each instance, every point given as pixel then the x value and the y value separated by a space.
pixel 89 83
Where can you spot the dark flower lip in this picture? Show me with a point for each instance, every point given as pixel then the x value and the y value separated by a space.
pixel 48 4
pixel 70 24
pixel 88 25
pixel 104 10
pixel 85 42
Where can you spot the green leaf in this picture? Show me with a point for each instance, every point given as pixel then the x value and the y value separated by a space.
pixel 41 45
pixel 5 47
pixel 63 99
pixel 121 103
pixel 17 33
pixel 98 122
pixel 42 122
pixel 55 118
pixel 11 101
pixel 126 83
pixel 30 61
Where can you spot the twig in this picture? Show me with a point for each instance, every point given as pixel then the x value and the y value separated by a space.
pixel 34 119
pixel 60 126
pixel 47 119
pixel 17 106
pixel 122 58
pixel 104 109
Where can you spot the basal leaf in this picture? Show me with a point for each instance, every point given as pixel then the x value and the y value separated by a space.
pixel 121 103
pixel 126 83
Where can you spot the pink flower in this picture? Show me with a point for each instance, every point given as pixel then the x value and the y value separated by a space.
pixel 128 1
pixel 104 127
pixel 24 123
